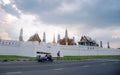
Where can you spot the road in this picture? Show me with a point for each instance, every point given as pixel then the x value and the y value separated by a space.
pixel 63 67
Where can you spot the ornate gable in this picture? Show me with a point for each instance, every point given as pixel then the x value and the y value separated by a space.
pixel 35 37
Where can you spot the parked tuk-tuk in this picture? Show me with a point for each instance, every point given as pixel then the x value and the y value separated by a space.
pixel 44 56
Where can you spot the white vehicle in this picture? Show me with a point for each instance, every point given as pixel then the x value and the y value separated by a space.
pixel 44 56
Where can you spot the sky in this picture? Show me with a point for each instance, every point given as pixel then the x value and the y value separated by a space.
pixel 98 19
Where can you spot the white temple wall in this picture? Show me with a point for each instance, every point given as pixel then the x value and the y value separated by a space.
pixel 9 47
pixel 30 49
pixel 88 50
pixel 27 49
pixel 6 50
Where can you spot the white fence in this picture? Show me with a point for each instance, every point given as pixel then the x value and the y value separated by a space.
pixel 30 49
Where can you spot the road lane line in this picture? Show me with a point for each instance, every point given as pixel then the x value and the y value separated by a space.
pixel 13 72
pixel 103 63
pixel 85 66
pixel 58 69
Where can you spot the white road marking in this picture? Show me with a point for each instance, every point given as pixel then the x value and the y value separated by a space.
pixel 85 66
pixel 13 72
pixel 58 69
pixel 103 63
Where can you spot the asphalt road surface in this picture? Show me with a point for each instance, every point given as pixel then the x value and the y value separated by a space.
pixel 63 67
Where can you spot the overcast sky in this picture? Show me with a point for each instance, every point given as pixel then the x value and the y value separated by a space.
pixel 98 19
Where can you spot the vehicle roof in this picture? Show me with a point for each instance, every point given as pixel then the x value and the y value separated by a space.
pixel 42 52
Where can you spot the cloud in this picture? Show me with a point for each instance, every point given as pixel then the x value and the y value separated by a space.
pixel 36 6
pixel 98 13
pixel 10 9
pixel 4 26
pixel 4 36
pixel 66 7
pixel 4 2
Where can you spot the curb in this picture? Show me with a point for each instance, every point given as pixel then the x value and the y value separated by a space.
pixel 5 60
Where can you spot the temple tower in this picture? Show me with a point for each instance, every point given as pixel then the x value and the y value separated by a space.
pixel 44 37
pixel 73 39
pixel 0 38
pixel 58 38
pixel 101 44
pixel 21 35
pixel 108 46
pixel 54 41
pixel 66 37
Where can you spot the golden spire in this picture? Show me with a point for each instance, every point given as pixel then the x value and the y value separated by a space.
pixel 54 41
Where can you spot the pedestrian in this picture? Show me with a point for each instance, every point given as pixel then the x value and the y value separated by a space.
pixel 58 54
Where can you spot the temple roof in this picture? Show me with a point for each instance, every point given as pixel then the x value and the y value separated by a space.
pixel 35 37
pixel 87 39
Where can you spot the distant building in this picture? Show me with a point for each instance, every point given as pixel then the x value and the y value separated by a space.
pixel 35 37
pixel 87 41
pixel 66 40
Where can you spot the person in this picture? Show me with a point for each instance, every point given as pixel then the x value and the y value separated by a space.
pixel 58 54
